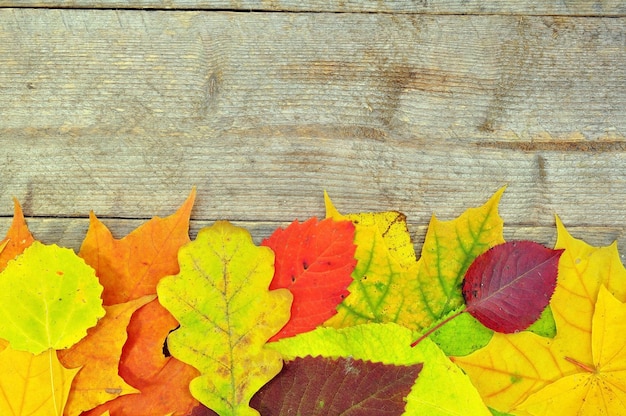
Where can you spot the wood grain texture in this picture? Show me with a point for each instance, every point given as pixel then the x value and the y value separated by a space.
pixel 123 112
pixel 511 7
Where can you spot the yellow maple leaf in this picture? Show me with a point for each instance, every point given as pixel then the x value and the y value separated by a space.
pixel 33 385
pixel 390 286
pixel 513 367
pixel 599 388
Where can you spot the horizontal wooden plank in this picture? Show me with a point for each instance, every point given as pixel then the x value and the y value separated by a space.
pixel 512 7
pixel 70 233
pixel 123 112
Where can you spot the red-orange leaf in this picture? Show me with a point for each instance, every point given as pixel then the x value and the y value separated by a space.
pixel 131 267
pixel 163 381
pixel 97 355
pixel 314 260
pixel 18 237
pixel 507 287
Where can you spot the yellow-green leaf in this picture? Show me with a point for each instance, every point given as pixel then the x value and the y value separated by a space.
pixel 449 248
pixel 441 389
pixel 49 298
pixel 389 287
pixel 226 314
pixel 33 385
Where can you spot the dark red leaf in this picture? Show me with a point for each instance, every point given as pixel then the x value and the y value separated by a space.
pixel 507 287
pixel 343 386
pixel 314 260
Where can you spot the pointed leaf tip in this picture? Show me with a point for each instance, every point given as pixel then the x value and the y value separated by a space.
pixel 507 287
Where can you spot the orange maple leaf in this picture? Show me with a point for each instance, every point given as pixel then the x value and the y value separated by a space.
pixel 131 267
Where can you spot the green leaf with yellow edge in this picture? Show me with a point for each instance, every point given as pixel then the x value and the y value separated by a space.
pixel 449 249
pixel 514 366
pixel 417 294
pixel 49 298
pixel 33 385
pixel 441 389
pixel 226 314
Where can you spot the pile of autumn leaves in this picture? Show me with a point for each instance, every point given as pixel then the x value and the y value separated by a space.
pixel 327 317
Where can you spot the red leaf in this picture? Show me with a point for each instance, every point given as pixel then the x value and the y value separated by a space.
pixel 507 287
pixel 314 260
pixel 343 386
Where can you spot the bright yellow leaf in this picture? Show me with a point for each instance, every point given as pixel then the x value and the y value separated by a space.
pixel 226 314
pixel 513 367
pixel 599 386
pixel 391 226
pixel 33 385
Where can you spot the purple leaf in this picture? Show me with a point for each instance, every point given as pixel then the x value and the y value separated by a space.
pixel 507 287
pixel 342 386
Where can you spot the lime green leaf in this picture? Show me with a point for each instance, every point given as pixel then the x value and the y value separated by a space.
pixel 461 335
pixel 226 314
pixel 49 298
pixel 441 389
pixel 545 326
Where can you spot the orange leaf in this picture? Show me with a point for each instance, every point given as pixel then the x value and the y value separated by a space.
pixel 163 381
pixel 128 269
pixel 98 356
pixel 131 267
pixel 17 238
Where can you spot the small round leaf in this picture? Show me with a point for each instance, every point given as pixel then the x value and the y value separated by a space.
pixel 49 297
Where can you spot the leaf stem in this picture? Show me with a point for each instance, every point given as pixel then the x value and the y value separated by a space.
pixel 581 365
pixel 436 327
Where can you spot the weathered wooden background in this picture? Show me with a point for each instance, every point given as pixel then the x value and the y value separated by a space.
pixel 420 106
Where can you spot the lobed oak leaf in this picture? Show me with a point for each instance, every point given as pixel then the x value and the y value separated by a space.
pixel 32 385
pixel 314 260
pixel 49 298
pixel 226 314
pixel 441 388
pixel 98 355
pixel 513 367
pixel 341 386
pixel 507 287
pixel 131 267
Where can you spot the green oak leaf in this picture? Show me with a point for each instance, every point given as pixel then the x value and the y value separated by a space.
pixel 226 314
